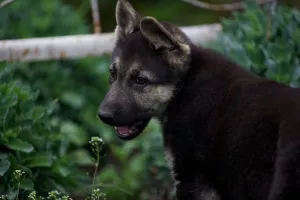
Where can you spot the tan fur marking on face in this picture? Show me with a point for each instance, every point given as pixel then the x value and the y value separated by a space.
pixel 117 63
pixel 147 74
pixel 155 98
pixel 135 65
pixel 164 93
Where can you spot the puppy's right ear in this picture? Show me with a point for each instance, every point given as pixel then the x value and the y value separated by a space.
pixel 127 19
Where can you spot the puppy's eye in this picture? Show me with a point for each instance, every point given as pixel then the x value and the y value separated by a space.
pixel 112 72
pixel 141 80
pixel 137 79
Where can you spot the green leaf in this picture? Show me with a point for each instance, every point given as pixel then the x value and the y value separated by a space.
pixel 61 169
pixel 12 194
pixel 82 157
pixel 38 113
pixel 75 100
pixel 8 102
pixel 296 35
pixel 74 132
pixel 20 145
pixel 279 52
pixel 12 133
pixel 26 106
pixel 27 184
pixel 4 164
pixel 39 160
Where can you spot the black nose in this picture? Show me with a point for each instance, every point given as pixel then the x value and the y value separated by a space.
pixel 106 116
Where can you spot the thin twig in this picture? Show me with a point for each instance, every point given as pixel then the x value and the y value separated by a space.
pixel 269 20
pixel 96 16
pixel 5 3
pixel 223 7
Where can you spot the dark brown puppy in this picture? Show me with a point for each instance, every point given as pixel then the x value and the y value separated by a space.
pixel 228 134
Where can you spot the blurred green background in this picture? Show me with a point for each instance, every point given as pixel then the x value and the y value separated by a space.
pixel 48 110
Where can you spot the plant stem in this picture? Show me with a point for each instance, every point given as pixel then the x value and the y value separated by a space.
pixel 97 163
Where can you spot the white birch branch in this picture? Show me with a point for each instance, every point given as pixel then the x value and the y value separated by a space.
pixel 223 7
pixel 79 46
pixel 5 2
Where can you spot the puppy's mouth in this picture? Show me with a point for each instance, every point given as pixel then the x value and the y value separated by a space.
pixel 131 131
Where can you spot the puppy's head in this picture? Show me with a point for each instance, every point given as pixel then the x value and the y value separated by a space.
pixel 148 60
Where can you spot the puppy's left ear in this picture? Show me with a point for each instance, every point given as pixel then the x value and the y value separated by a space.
pixel 168 38
pixel 157 34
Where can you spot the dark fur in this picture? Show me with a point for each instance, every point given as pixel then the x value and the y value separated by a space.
pixel 234 132
pixel 233 135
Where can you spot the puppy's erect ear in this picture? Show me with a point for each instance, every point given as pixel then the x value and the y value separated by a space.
pixel 168 38
pixel 127 18
pixel 157 34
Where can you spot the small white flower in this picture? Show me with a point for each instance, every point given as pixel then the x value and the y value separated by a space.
pixel 32 195
pixel 3 197
pixel 96 141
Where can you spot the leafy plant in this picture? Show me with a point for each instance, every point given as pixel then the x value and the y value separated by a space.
pixel 30 143
pixel 33 156
pixel 265 41
pixel 127 170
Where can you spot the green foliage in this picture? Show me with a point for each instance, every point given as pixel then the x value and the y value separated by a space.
pixel 48 110
pixel 96 194
pixel 265 41
pixel 61 116
pixel 29 142
pixel 128 169
pixel 25 19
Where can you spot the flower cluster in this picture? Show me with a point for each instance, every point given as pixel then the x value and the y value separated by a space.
pixel 96 146
pixel 97 195
pixel 96 141
pixel 54 195
pixel 18 176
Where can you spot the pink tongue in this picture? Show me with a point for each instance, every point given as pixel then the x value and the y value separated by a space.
pixel 124 130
